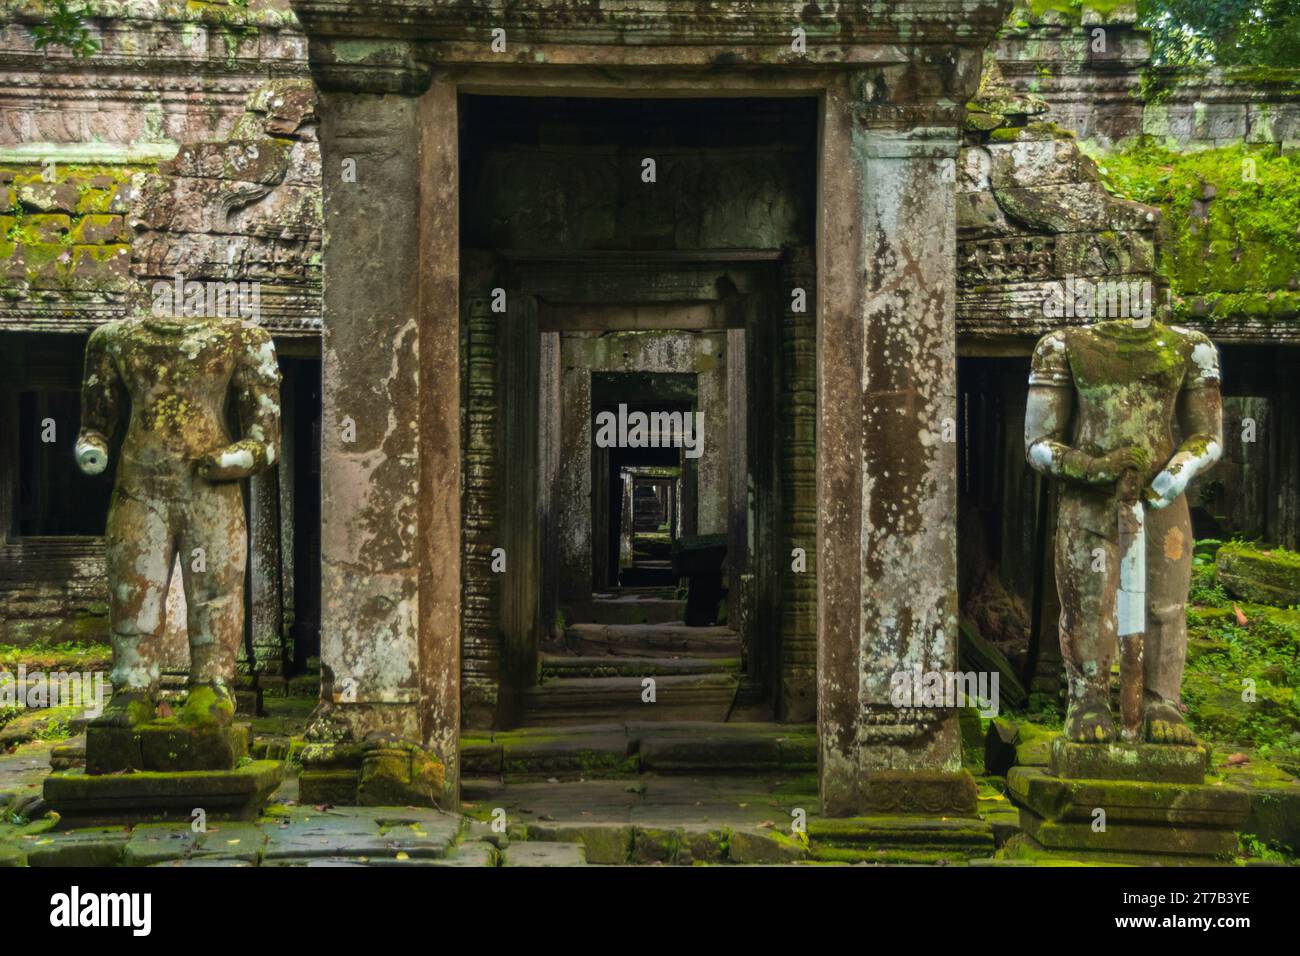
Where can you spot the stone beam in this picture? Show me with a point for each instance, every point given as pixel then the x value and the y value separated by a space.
pixel 762 29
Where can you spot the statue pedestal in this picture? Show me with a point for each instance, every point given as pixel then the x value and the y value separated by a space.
pixel 163 770
pixel 1152 763
pixel 1125 803
pixel 164 745
pixel 82 799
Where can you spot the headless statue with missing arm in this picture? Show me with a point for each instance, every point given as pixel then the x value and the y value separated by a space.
pixel 177 491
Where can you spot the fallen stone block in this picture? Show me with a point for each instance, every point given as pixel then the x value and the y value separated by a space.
pixel 1261 575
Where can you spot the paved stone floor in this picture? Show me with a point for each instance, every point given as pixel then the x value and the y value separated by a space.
pixel 647 819
pixel 547 812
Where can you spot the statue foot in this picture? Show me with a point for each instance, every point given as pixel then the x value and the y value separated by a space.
pixel 1165 724
pixel 1088 721
pixel 126 708
pixel 212 703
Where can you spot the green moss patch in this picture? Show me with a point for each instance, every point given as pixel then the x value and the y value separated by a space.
pixel 1229 245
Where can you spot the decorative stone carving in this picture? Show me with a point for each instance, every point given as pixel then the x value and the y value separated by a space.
pixel 1033 216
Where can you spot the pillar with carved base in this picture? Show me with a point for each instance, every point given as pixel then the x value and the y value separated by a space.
pixel 390 470
pixel 887 457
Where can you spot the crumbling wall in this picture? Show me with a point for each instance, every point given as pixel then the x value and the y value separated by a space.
pixel 1091 64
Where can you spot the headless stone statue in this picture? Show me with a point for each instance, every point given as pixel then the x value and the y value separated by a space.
pixel 1105 404
pixel 177 491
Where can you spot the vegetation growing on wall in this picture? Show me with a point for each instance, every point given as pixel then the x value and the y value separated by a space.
pixel 66 27
pixel 1230 246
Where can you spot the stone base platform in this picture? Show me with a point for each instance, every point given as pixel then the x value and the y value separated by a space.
pixel 1153 763
pixel 165 745
pixel 1141 819
pixel 899 839
pixel 1024 850
pixel 381 771
pixel 83 799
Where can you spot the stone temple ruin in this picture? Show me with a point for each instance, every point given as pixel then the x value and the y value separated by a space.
pixel 816 242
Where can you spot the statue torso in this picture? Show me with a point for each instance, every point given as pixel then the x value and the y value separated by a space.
pixel 1126 382
pixel 177 373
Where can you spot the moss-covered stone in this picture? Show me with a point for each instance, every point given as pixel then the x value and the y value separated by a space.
pixel 223 794
pixel 163 745
pixel 1229 248
pixel 1262 575
pixel 398 773
pixel 764 846
pixel 604 843
pixel 1157 763
pixel 97 846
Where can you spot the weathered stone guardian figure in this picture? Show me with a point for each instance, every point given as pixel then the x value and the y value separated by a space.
pixel 1105 404
pixel 177 491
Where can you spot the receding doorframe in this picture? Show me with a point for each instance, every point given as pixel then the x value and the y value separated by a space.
pixel 639 291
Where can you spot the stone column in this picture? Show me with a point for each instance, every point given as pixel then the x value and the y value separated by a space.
pixel 548 451
pixel 709 357
pixel 573 479
pixel 438 269
pixel 371 396
pixel 286 477
pixel 796 384
pixel 626 531
pixel 737 470
pixel 886 471
pixel 391 431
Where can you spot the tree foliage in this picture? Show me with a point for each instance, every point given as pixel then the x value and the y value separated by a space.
pixel 1223 32
pixel 65 26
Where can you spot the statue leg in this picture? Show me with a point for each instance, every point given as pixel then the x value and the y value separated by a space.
pixel 139 554
pixel 1086 581
pixel 1169 574
pixel 214 596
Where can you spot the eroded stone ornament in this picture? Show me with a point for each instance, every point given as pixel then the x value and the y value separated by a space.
pixel 177 492
pixel 1124 415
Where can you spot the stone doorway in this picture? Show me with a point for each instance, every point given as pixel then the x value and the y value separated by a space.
pixel 874 490
pixel 634 252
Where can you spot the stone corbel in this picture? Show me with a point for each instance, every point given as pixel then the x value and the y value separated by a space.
pixel 380 66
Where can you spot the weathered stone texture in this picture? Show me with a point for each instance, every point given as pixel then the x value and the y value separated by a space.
pixel 1034 219
pixel 174 148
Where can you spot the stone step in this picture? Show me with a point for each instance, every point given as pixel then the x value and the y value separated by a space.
pixel 899 839
pixel 587 699
pixel 615 665
pixel 711 751
pixel 590 755
pixel 651 640
pixel 626 749
pixel 542 853
pixel 653 608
